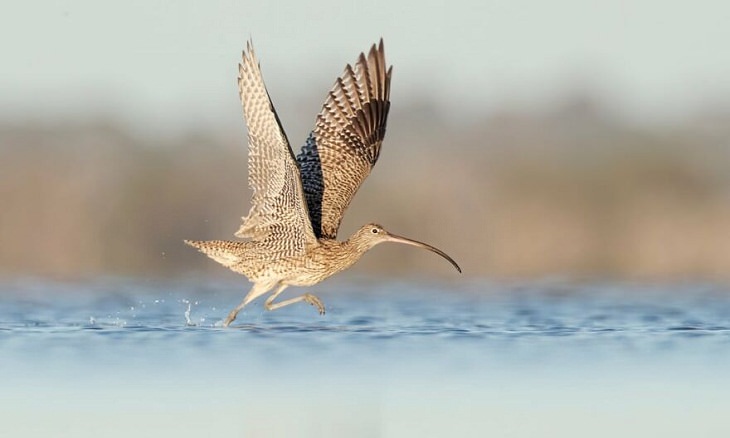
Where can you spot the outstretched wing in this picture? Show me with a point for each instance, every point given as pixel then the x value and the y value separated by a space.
pixel 278 217
pixel 345 143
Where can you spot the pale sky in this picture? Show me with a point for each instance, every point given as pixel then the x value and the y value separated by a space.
pixel 172 64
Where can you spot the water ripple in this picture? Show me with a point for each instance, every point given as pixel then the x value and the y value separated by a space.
pixel 589 318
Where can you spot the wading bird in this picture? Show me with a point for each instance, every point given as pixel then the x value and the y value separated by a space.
pixel 298 202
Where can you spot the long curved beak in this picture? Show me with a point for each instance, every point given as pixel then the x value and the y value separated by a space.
pixel 399 239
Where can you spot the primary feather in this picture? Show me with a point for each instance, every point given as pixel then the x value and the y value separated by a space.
pixel 345 143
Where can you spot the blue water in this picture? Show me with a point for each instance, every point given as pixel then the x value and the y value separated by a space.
pixel 121 358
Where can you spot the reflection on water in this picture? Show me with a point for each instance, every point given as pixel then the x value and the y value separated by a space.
pixel 120 358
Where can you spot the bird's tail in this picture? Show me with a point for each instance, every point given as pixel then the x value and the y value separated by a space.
pixel 225 252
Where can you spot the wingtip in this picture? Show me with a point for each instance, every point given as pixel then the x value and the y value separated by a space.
pixel 249 62
pixel 376 51
pixel 381 47
pixel 249 54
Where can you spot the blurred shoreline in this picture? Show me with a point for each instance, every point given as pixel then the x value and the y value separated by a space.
pixel 571 192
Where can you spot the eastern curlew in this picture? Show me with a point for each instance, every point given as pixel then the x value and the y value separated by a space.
pixel 298 202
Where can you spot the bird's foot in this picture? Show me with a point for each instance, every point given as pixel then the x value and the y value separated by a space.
pixel 230 318
pixel 313 300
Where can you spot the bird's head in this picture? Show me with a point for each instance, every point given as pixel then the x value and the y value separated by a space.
pixel 372 234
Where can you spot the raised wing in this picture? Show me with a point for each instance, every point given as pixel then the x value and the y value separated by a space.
pixel 278 217
pixel 345 143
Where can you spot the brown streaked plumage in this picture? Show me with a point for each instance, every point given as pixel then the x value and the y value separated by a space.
pixel 298 202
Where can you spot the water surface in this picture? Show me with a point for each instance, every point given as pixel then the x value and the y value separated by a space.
pixel 124 358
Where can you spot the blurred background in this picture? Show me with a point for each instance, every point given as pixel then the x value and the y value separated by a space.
pixel 526 139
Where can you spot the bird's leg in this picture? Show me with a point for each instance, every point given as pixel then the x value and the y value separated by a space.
pixel 256 291
pixel 307 298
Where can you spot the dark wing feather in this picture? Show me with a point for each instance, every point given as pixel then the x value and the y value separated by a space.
pixel 345 143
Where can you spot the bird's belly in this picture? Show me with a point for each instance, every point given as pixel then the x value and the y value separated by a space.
pixel 294 271
pixel 306 276
pixel 305 273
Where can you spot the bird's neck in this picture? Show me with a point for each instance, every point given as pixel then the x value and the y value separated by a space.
pixel 342 255
pixel 357 244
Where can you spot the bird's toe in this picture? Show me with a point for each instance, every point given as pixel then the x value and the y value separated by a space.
pixel 315 301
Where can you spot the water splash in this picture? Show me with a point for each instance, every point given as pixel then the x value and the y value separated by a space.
pixel 188 321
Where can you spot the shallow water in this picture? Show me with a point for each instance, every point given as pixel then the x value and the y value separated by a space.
pixel 122 358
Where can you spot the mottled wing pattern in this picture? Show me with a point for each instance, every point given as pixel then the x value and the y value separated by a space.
pixel 278 218
pixel 345 143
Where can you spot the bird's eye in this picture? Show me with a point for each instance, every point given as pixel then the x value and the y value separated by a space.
pixel 374 231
